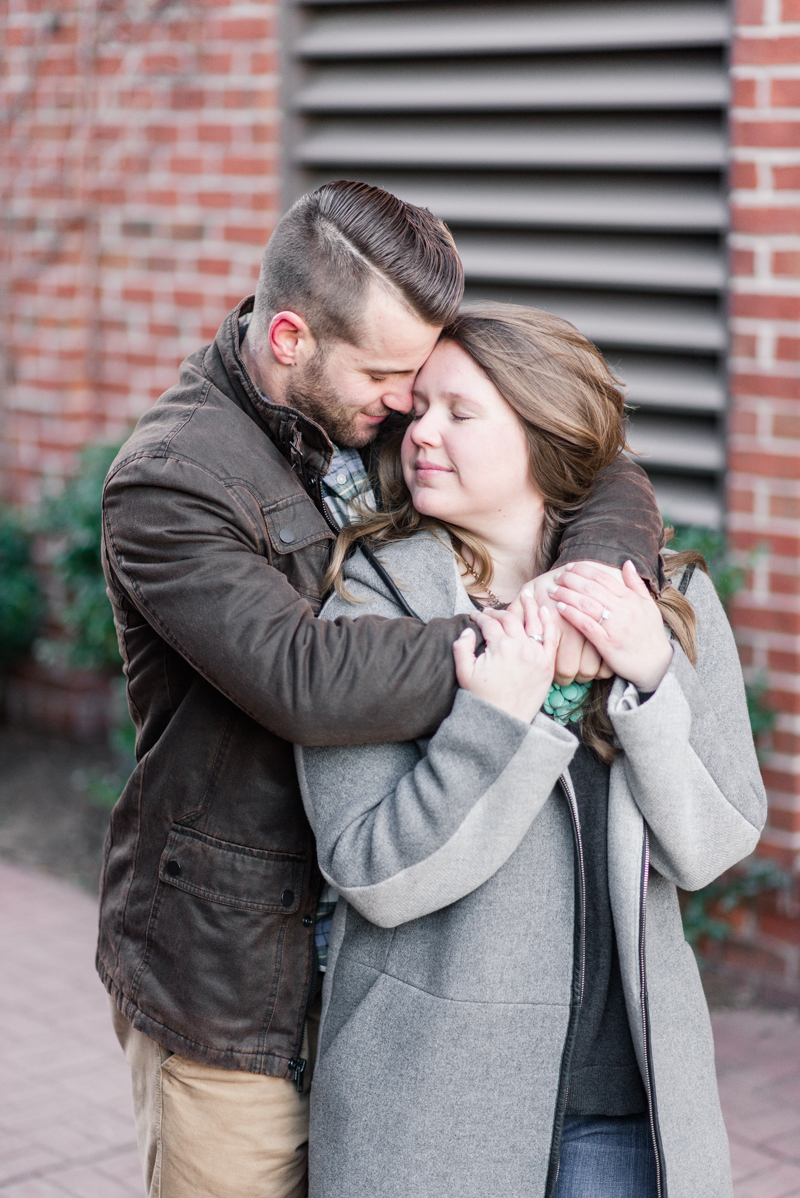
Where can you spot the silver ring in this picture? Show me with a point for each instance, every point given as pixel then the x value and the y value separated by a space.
pixel 604 616
pixel 536 636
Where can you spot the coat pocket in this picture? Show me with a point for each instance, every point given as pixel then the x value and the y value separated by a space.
pixel 216 948
pixel 231 874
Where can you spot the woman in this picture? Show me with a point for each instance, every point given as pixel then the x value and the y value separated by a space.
pixel 510 1006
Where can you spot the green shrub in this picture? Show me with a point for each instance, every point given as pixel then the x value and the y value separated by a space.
pixel 21 602
pixel 74 518
pixel 727 575
pixel 704 910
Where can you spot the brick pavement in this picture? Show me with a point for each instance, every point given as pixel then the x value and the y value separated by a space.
pixel 758 1065
pixel 66 1126
pixel 66 1123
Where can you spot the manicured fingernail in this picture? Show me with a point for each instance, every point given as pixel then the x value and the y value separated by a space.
pixel 527 592
pixel 561 606
pixel 551 590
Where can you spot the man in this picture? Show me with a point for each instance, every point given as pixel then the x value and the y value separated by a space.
pixel 219 515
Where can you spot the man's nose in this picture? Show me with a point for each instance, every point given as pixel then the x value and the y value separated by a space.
pixel 399 398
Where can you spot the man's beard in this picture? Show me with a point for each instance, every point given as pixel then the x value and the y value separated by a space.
pixel 313 394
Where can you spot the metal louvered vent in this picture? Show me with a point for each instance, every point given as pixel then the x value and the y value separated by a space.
pixel 578 153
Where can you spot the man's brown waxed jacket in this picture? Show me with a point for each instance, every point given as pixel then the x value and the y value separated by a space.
pixel 215 544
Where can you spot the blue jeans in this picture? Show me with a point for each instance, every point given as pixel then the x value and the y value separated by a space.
pixel 606 1157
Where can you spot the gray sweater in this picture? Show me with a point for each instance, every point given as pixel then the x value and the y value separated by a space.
pixel 455 968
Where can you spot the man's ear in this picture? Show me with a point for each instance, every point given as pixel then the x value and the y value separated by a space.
pixel 290 339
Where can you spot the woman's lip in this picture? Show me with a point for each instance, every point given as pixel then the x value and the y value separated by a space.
pixel 432 466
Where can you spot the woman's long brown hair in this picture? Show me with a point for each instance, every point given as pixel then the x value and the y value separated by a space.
pixel 572 410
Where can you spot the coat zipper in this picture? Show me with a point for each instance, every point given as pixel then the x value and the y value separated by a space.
pixel 576 1002
pixel 652 1108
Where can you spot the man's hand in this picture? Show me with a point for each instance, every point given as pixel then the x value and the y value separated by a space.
pixel 575 656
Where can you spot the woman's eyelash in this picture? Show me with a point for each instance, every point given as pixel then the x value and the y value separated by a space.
pixel 461 419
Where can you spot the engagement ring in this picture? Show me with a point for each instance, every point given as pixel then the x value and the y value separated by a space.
pixel 536 636
pixel 606 613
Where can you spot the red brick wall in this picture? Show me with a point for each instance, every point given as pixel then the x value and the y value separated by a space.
pixel 140 181
pixel 764 447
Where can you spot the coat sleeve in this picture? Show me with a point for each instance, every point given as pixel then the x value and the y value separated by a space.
pixel 689 754
pixel 619 520
pixel 186 554
pixel 404 829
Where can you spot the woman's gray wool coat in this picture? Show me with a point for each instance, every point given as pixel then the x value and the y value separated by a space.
pixel 455 968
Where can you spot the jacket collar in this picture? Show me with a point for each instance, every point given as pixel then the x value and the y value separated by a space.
pixel 304 443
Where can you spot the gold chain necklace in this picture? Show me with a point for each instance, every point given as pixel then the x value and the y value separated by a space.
pixel 493 600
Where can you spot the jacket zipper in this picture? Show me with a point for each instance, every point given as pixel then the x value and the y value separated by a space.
pixel 652 1108
pixel 578 983
pixel 297 1064
pixel 316 483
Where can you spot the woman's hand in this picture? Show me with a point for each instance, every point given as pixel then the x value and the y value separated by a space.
pixel 576 658
pixel 515 671
pixel 620 619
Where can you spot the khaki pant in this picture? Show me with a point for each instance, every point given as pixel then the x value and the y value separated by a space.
pixel 205 1132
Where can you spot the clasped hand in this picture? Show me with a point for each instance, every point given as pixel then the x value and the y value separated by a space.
pixel 617 616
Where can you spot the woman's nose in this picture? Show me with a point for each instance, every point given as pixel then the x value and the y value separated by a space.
pixel 424 430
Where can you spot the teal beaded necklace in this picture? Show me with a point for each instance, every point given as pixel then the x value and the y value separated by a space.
pixel 563 703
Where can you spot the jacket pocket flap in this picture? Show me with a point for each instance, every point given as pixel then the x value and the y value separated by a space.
pixel 231 874
pixel 294 523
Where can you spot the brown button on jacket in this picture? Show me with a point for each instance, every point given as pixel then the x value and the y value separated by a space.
pixel 215 547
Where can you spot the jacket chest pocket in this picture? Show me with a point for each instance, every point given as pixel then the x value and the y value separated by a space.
pixel 299 543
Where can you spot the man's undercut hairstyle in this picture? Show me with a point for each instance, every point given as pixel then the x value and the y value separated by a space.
pixel 334 242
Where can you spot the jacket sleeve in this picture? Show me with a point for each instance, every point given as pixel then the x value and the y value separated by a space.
pixel 190 562
pixel 402 832
pixel 689 754
pixel 619 520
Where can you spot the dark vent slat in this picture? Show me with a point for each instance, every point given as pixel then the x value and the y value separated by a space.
pixel 550 86
pixel 616 321
pixel 626 263
pixel 567 201
pixel 513 29
pixel 603 144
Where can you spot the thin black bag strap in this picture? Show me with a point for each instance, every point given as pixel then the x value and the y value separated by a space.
pixel 687 577
pixel 386 580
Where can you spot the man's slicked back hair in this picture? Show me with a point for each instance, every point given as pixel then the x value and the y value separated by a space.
pixel 335 241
